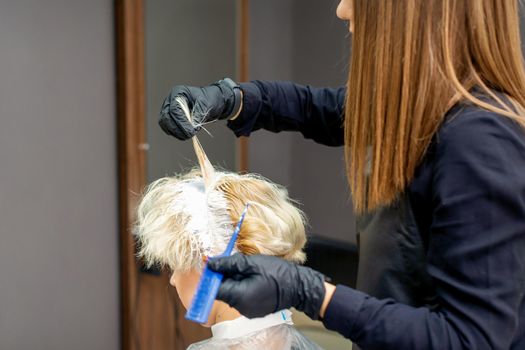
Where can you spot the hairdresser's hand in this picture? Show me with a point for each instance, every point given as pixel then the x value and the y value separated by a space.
pixel 220 100
pixel 258 285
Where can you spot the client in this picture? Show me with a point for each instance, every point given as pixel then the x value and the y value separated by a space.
pixel 184 219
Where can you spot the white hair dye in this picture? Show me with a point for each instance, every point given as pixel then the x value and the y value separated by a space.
pixel 208 218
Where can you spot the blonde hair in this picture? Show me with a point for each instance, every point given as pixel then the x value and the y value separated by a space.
pixel 273 224
pixel 184 219
pixel 411 61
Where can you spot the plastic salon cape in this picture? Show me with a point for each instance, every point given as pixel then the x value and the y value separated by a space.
pixel 272 332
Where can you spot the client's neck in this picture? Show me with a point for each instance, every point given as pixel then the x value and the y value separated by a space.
pixel 225 313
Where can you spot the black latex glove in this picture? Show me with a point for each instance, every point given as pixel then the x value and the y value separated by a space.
pixel 220 100
pixel 259 285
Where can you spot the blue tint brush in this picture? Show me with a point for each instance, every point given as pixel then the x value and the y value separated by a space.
pixel 210 282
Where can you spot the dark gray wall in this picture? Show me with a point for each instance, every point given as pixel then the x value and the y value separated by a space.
pixel 271 58
pixel 58 183
pixel 303 41
pixel 187 42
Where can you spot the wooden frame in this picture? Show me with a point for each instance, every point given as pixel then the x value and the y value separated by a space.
pixel 243 51
pixel 142 325
pixel 131 153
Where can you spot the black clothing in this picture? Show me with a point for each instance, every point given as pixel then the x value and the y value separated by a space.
pixel 444 266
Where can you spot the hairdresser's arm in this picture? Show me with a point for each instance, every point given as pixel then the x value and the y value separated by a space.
pixel 475 256
pixel 284 106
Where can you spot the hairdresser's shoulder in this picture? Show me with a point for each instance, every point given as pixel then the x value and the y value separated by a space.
pixel 471 127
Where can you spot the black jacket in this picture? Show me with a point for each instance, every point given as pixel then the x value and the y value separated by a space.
pixel 444 266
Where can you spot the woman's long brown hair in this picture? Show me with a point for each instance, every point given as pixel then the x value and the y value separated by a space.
pixel 411 61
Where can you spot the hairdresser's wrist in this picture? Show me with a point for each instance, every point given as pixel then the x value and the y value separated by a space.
pixel 232 95
pixel 240 106
pixel 330 289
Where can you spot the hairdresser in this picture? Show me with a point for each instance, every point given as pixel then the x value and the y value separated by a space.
pixel 433 125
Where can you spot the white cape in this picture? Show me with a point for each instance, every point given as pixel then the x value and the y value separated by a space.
pixel 272 332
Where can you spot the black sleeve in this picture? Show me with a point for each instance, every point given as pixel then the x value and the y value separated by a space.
pixel 317 113
pixel 476 253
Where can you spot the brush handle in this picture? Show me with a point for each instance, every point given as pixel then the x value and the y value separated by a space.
pixel 203 299
pixel 233 239
pixel 210 283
